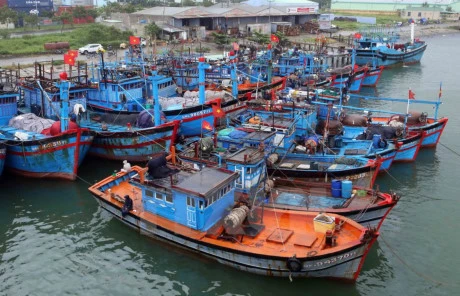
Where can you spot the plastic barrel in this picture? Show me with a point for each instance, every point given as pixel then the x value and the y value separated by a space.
pixel 347 187
pixel 336 188
pixel 376 140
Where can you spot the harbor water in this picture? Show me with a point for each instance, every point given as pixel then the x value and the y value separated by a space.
pixel 55 240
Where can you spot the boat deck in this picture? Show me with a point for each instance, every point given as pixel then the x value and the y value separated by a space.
pixel 274 233
pixel 321 198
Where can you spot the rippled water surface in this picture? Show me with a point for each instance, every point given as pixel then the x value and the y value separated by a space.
pixel 56 241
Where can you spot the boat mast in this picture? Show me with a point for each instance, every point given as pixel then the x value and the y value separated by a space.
pixel 64 86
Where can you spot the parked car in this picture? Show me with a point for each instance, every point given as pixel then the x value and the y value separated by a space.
pixel 90 48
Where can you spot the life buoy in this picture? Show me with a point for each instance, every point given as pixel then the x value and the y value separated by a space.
pixel 294 264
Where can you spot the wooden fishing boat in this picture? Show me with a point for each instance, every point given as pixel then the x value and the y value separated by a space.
pixel 115 138
pixel 54 152
pixel 315 168
pixel 195 210
pixel 365 206
pixel 430 128
pixel 416 122
pixel 384 48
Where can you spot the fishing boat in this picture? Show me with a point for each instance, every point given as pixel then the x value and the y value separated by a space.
pixel 196 210
pixel 132 138
pixel 315 168
pixel 384 49
pixel 416 122
pixel 191 108
pixel 365 206
pixel 43 148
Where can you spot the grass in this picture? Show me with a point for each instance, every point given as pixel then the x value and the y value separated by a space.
pixel 380 20
pixel 94 33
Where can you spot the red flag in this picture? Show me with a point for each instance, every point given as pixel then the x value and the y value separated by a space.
pixel 411 95
pixel 357 36
pixel 133 40
pixel 217 111
pixel 274 38
pixel 206 126
pixel 73 53
pixel 69 60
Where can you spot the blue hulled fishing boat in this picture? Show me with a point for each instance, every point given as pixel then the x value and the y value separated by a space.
pixel 38 147
pixel 382 49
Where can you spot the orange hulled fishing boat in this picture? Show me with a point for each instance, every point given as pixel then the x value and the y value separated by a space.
pixel 196 210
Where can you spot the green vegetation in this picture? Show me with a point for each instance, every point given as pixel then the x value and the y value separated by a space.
pixel 259 38
pixel 380 20
pixel 94 33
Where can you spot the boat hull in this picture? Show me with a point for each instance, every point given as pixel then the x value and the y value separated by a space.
pixel 372 77
pixel 433 131
pixel 408 148
pixel 370 57
pixel 53 157
pixel 135 146
pixel 362 176
pixel 345 264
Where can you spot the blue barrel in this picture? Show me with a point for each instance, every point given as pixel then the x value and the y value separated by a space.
pixel 347 187
pixel 336 188
pixel 376 140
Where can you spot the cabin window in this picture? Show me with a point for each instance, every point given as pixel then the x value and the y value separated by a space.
pixel 158 196
pixel 201 204
pixel 169 198
pixel 248 170
pixel 190 201
pixel 149 193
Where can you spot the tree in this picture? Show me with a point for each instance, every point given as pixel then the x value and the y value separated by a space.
pixel 79 12
pixel 449 8
pixel 152 30
pixel 7 15
pixel 64 17
pixel 222 39
pixel 31 19
pixel 207 3
pixel 259 38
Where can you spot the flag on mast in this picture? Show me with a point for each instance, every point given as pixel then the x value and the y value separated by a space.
pixel 411 95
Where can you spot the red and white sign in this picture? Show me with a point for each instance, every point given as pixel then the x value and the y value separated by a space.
pixel 300 9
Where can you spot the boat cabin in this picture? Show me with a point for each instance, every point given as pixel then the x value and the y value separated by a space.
pixel 248 162
pixel 8 106
pixel 196 199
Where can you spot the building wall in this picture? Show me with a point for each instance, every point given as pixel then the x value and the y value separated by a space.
pixel 416 14
pixel 372 6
